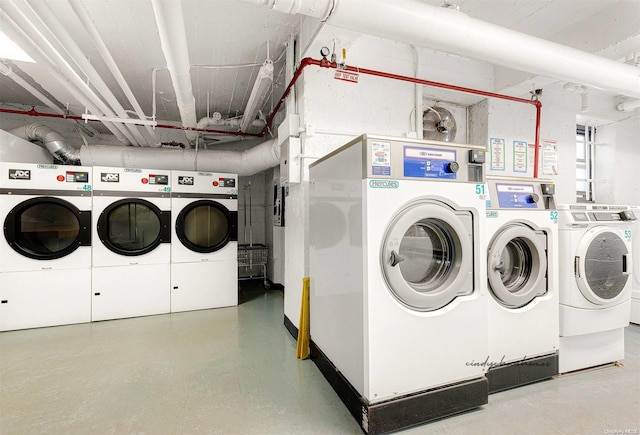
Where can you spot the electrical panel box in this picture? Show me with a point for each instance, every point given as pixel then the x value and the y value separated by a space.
pixel 290 161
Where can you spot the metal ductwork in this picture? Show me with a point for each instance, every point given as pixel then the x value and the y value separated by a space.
pixel 52 140
pixel 416 23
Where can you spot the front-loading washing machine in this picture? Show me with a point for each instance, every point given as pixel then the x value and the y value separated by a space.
pixel 635 282
pixel 132 233
pixel 45 254
pixel 595 283
pixel 398 316
pixel 204 252
pixel 522 272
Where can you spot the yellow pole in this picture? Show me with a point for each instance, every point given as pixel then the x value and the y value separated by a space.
pixel 304 336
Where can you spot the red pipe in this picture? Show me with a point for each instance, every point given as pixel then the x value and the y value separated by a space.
pixel 34 112
pixel 324 63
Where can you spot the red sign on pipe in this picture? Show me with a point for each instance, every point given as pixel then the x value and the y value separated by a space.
pixel 346 76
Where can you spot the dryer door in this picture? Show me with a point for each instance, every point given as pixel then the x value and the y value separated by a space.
pixel 517 265
pixel 602 265
pixel 47 228
pixel 427 255
pixel 133 226
pixel 206 226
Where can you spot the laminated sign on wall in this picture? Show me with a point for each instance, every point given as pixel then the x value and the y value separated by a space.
pixel 549 157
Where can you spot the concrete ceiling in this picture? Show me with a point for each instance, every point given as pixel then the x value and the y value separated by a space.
pixel 233 34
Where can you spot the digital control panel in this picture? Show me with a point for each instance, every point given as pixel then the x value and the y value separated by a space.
pixel 516 196
pixel 430 163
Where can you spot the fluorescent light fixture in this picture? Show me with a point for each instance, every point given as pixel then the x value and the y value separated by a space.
pixel 259 91
pixel 10 50
pixel 88 117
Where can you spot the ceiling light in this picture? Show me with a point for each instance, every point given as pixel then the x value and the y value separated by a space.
pixel 259 91
pixel 10 50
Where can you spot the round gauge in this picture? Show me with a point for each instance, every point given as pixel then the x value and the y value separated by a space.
pixel 324 51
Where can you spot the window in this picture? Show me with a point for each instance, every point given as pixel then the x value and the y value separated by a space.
pixel 585 162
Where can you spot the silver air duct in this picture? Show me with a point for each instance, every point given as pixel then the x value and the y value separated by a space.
pixel 52 140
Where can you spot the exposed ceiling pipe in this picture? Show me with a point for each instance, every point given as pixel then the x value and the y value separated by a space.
pixel 252 161
pixel 7 71
pixel 173 39
pixel 28 45
pixel 415 22
pixel 75 55
pixel 52 140
pixel 89 26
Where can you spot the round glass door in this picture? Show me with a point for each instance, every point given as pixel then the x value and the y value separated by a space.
pixel 603 264
pixel 206 226
pixel 132 227
pixel 427 255
pixel 47 228
pixel 517 265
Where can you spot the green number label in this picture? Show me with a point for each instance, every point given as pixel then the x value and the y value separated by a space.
pixel 480 189
pixel 627 234
pixel 86 187
pixel 553 215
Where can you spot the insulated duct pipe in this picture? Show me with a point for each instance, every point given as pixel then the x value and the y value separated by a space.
pixel 249 162
pixel 417 23
pixel 628 106
pixel 173 39
pixel 52 140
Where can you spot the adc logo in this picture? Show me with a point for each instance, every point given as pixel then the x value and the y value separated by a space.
pixel 110 177
pixel 184 180
pixel 20 174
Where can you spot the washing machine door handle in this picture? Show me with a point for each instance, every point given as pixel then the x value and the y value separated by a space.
pixel 395 258
pixel 500 267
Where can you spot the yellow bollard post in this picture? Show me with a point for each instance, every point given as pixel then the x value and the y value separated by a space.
pixel 302 351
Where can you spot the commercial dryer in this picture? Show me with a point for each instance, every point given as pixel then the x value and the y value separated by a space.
pixel 131 253
pixel 204 264
pixel 45 254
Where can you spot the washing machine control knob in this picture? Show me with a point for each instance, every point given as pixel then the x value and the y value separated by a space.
pixel 533 198
pixel 452 167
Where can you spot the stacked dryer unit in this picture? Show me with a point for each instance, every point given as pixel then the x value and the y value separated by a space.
pixel 522 271
pixel 398 278
pixel 595 283
pixel 132 235
pixel 45 254
pixel 204 252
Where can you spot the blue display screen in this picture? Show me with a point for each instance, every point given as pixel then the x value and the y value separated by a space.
pixel 515 195
pixel 428 162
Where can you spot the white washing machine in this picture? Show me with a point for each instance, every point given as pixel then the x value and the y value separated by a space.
pixel 522 272
pixel 398 316
pixel 132 249
pixel 595 283
pixel 45 254
pixel 204 252
pixel 635 282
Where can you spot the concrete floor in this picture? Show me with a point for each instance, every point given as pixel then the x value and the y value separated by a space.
pixel 234 371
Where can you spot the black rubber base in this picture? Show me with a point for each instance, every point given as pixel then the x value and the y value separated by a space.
pixel 291 327
pixel 526 371
pixel 406 411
